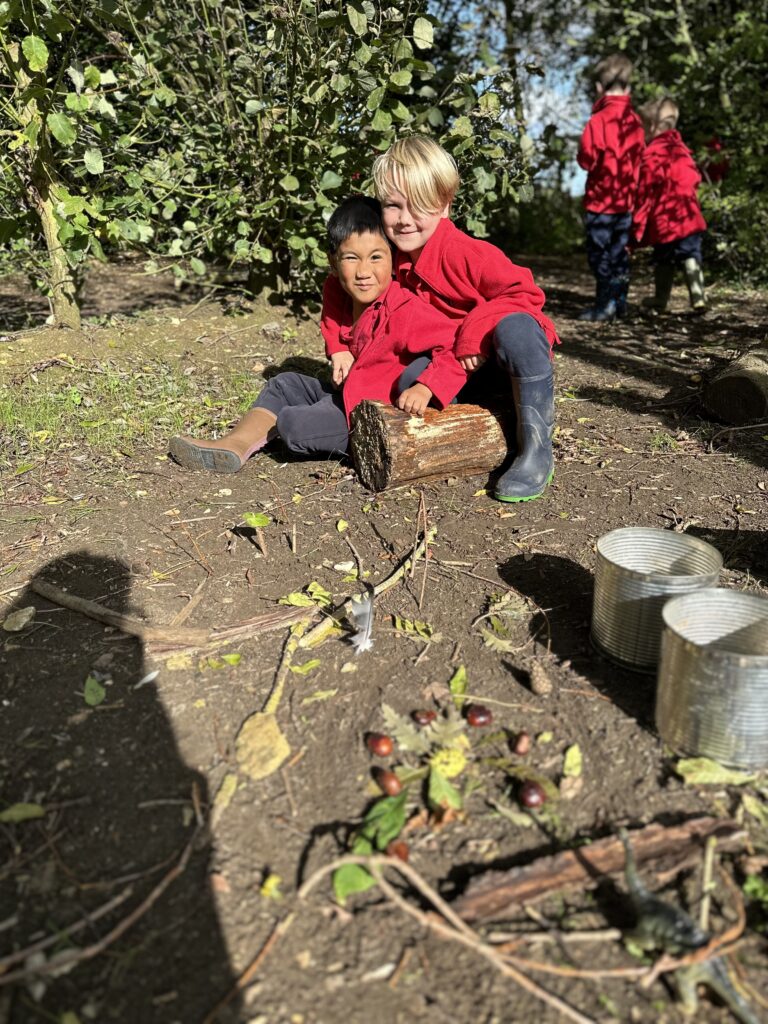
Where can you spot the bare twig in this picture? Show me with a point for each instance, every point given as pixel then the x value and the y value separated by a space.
pixel 69 959
pixel 449 925
pixel 706 882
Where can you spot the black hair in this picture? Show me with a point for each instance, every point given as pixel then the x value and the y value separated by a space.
pixel 357 215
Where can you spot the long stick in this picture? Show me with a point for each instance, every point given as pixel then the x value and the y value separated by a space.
pixel 322 630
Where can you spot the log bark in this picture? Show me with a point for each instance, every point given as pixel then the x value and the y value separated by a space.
pixel 495 893
pixel 739 394
pixel 392 449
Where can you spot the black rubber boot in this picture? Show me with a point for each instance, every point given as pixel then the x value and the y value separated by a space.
pixel 605 304
pixel 619 292
pixel 663 278
pixel 534 464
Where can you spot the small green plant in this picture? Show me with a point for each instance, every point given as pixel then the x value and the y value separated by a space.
pixel 663 442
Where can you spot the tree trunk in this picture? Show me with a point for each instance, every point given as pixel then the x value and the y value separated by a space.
pixel 740 393
pixel 392 449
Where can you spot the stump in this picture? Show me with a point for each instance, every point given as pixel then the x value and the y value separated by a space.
pixel 740 393
pixel 392 449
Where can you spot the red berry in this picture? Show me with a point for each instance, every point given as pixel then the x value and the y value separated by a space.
pixel 379 744
pixel 522 744
pixel 478 715
pixel 532 795
pixel 388 781
pixel 398 848
pixel 424 717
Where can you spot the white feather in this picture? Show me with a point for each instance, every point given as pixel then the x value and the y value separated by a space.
pixel 361 611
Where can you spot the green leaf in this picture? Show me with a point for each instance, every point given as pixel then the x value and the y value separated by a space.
pixel 357 20
pixel 457 684
pixel 93 692
pixel 401 78
pixel 350 879
pixel 573 762
pixel 256 519
pixel 375 98
pixel 36 52
pixel 62 128
pixel 462 127
pixel 385 820
pixel 382 120
pixel 330 180
pixel 198 267
pixel 232 659
pixel 92 77
pixel 21 812
pixel 297 600
pixel 701 771
pixel 423 33
pixel 289 183
pixel 306 668
pixel 94 161
pixel 441 793
pixel 319 695
pixel 75 73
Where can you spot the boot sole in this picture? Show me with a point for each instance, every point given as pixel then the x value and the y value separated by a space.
pixel 530 497
pixel 212 460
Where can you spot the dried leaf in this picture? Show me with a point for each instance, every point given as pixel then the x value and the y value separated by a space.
pixel 232 659
pixel 571 786
pixel 573 763
pixel 457 685
pixel 270 887
pixel 701 771
pixel 21 812
pixel 756 807
pixel 261 747
pixel 342 525
pixel 306 668
pixel 407 737
pixel 223 797
pixel 178 662
pixel 20 619
pixel 319 695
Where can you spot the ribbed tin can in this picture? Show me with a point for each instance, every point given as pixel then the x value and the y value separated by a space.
pixel 712 697
pixel 638 569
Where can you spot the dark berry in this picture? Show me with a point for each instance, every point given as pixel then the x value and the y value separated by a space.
pixel 398 848
pixel 522 744
pixel 379 744
pixel 388 781
pixel 424 717
pixel 532 795
pixel 478 715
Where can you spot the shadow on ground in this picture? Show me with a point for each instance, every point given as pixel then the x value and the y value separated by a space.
pixel 119 808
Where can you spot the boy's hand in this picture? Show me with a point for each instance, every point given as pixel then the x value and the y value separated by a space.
pixel 414 400
pixel 341 364
pixel 471 363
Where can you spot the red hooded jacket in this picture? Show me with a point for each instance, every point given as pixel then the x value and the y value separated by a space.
pixel 667 207
pixel 385 338
pixel 468 280
pixel 611 146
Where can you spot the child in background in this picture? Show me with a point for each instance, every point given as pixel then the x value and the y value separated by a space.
pixel 668 215
pixel 610 150
pixel 495 305
pixel 382 328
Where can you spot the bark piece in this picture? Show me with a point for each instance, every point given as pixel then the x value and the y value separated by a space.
pixel 392 449
pixel 492 894
pixel 739 394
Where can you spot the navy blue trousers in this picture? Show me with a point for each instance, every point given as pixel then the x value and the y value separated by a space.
pixel 680 250
pixel 607 239
pixel 310 414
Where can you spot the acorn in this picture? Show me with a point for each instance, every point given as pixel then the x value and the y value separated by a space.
pixel 423 717
pixel 398 848
pixel 478 715
pixel 379 744
pixel 532 795
pixel 388 781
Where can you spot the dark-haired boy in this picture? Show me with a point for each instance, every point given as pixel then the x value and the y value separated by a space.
pixel 611 147
pixel 383 328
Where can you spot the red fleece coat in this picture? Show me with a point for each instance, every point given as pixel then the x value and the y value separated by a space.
pixel 667 207
pixel 385 338
pixel 611 146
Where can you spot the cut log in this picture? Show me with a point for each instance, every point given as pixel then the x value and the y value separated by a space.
pixel 495 893
pixel 392 449
pixel 739 394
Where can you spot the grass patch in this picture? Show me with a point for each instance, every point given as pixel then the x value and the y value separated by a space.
pixel 105 406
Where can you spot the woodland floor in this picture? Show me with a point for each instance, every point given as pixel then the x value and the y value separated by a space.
pixel 90 502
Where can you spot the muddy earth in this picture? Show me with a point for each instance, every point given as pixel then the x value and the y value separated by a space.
pixel 151 863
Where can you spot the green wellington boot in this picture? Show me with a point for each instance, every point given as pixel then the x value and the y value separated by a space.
pixel 694 278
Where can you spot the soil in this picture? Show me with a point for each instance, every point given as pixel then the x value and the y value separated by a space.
pixel 123 782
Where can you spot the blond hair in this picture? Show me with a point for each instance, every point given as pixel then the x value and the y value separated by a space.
pixel 613 72
pixel 667 114
pixel 421 170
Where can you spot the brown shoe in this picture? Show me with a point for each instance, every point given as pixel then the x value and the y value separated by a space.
pixel 192 454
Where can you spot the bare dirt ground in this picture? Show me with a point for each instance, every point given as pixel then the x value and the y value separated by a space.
pixel 125 777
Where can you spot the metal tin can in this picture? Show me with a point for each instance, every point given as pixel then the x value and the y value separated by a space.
pixel 638 569
pixel 712 697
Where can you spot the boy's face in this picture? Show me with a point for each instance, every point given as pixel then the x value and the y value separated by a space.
pixel 363 264
pixel 410 232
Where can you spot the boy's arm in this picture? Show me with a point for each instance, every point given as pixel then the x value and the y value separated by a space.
pixel 444 377
pixel 334 314
pixel 587 155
